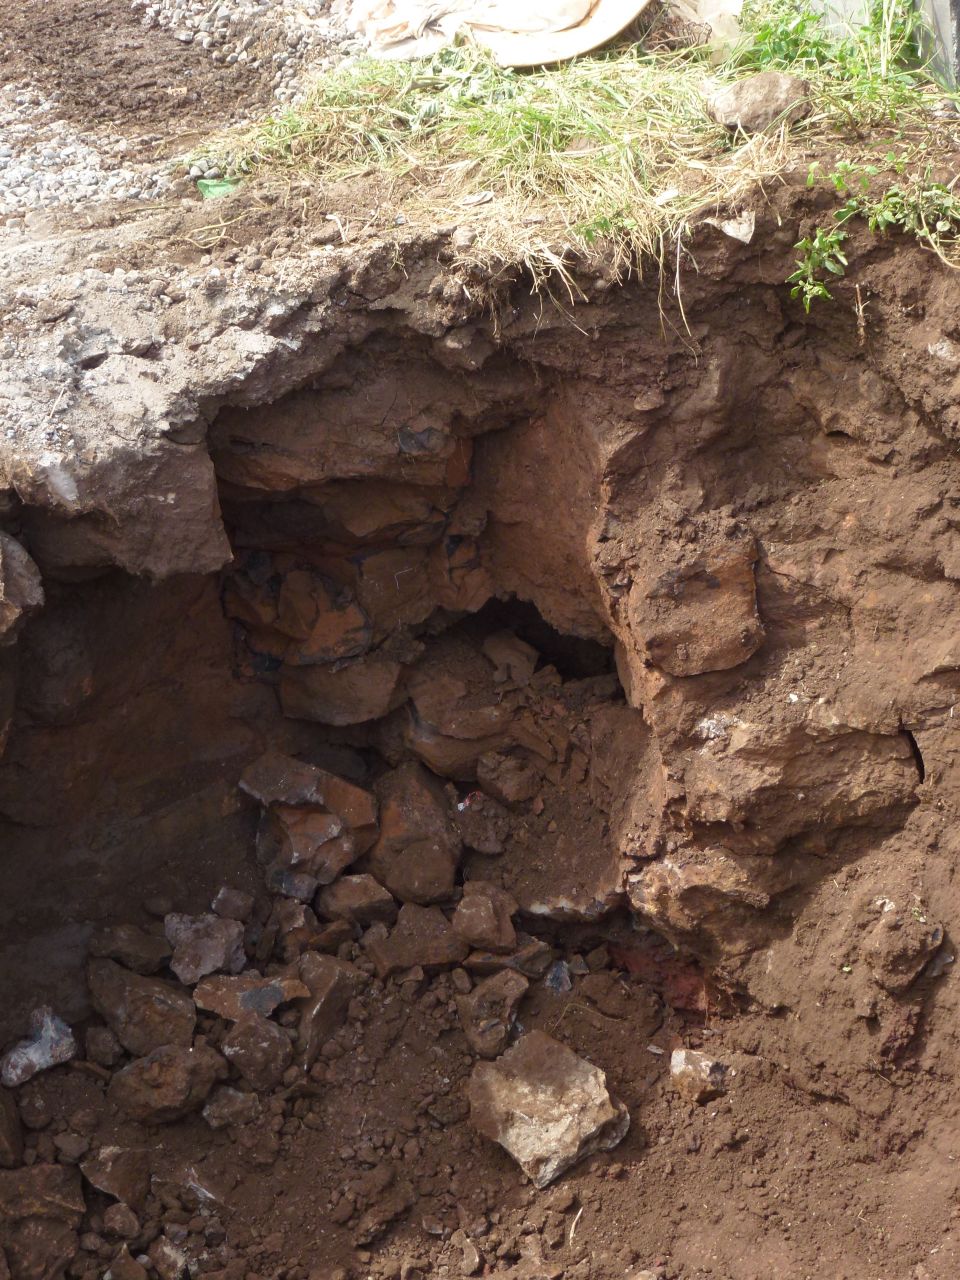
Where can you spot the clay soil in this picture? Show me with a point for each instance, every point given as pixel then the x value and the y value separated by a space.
pixel 833 1151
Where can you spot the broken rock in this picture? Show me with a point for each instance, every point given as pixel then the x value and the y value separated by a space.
pixel 50 1042
pixel 308 840
pixel 418 849
pixel 232 997
pixel 483 917
pixel 166 1084
pixel 359 899
pixel 756 102
pixel 696 1076
pixel 42 1191
pixel 11 1132
pixel 228 1106
pixel 121 1172
pixel 422 936
pixel 488 1013
pixel 204 944
pixel 134 948
pixel 332 984
pixel 546 1106
pixel 260 1050
pixel 232 904
pixel 143 1013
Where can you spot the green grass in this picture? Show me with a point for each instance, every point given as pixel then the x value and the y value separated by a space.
pixel 614 151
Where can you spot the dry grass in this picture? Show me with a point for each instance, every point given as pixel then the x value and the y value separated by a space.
pixel 614 152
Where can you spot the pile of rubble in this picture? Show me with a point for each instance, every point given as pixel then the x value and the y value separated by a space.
pixel 248 1013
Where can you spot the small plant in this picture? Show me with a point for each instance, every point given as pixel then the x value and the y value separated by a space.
pixel 819 253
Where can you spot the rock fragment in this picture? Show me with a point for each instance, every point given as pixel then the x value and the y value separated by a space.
pixel 900 944
pixel 332 984
pixel 143 1013
pixel 483 917
pixel 227 1106
pixel 488 1013
pixel 40 1210
pixel 696 1076
pixel 121 1172
pixel 204 944
pixel 422 936
pixel 259 1049
pixel 276 779
pixel 418 849
pixel 11 1132
pixel 21 591
pixel 360 899
pixel 168 1083
pixel 231 997
pixel 232 904
pixel 50 1042
pixel 756 102
pixel 546 1106
pixel 133 947
pixel 125 1267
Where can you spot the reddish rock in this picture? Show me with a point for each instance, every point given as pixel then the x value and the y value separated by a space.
pixel 204 944
pixel 483 823
pixel 21 591
pixel 102 1046
pixel 488 1013
pixel 50 1043
pixel 37 1249
pixel 418 849
pixel 41 1191
pixel 121 1172
pixel 120 1220
pixel 125 1267
pixel 308 840
pixel 332 985
pixel 508 777
pixel 133 947
pixel 232 904
pixel 513 659
pixel 696 1076
pixel 483 917
pixel 11 1132
pixel 532 958
pixel 232 997
pixel 546 1106
pixel 323 621
pixel 276 779
pixel 354 692
pixel 168 1083
pixel 143 1013
pixel 226 1107
pixel 422 936
pixel 360 899
pixel 169 1261
pixel 260 1050
pixel 900 944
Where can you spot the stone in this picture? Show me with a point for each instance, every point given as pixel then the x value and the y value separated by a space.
pixel 701 615
pixel 50 1042
pixel 323 622
pixel 125 1267
pixel 71 1146
pixel 290 884
pixel 232 904
pixel 488 1013
pixel 509 778
pixel 483 917
pixel 37 1249
pixel 168 1260
pixel 696 1076
pixel 275 778
pixel 121 1172
pixel 291 927
pixel 232 997
pixel 900 944
pixel 103 1047
pixel 756 102
pixel 546 1106
pixel 418 849
pixel 260 1050
pixel 42 1191
pixel 422 936
pixel 21 591
pixel 360 899
pixel 308 840
pixel 354 692
pixel 167 1084
pixel 11 1132
pixel 120 1220
pixel 514 659
pixel 204 944
pixel 227 1106
pixel 532 958
pixel 143 1013
pixel 133 947
pixel 483 823
pixel 332 985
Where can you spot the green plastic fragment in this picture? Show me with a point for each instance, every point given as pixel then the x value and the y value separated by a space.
pixel 214 188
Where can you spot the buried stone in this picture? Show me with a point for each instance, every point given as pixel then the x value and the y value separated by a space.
pixel 546 1106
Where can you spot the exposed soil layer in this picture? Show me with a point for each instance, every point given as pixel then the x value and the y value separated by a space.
pixel 650 630
pixel 612 651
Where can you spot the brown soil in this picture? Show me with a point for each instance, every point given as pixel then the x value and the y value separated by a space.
pixel 726 795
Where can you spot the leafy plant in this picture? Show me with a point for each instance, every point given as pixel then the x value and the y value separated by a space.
pixel 819 253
